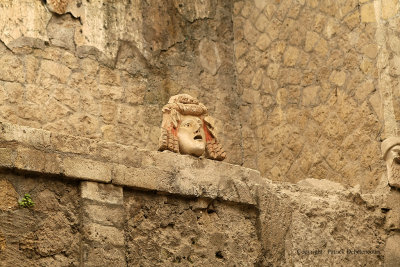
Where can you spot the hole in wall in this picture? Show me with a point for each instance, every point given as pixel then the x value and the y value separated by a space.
pixel 219 255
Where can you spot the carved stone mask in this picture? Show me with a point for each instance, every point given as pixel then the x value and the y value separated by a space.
pixel 391 154
pixel 187 129
pixel 191 136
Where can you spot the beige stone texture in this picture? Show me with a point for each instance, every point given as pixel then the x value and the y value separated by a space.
pixel 104 234
pixel 324 83
pixel 310 95
pixel 368 13
pixel 87 169
pixel 176 231
pixel 301 89
pixel 3 243
pixel 8 198
pixel 106 193
pixel 199 202
pixel 212 182
pixel 392 249
pixel 45 234
pixel 62 85
pixel 338 78
pixel 311 39
pixel 23 22
pixel 316 218
pixel 389 8
pixel 209 56
pixel 263 42
pixel 290 57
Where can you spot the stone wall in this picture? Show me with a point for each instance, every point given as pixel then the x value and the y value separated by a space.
pixel 124 206
pixel 104 69
pixel 311 75
pixel 300 88
pixel 47 234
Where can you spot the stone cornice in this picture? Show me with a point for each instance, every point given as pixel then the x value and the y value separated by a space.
pixel 39 151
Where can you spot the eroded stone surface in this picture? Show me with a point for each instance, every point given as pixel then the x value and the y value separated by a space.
pixel 8 196
pixel 166 230
pixel 307 75
pixel 46 234
pixel 107 80
pixel 309 226
pixel 392 249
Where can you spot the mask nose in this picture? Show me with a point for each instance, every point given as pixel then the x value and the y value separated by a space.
pixel 198 127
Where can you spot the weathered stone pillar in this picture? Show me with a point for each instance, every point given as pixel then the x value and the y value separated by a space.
pixel 102 225
pixel 392 247
pixel 386 15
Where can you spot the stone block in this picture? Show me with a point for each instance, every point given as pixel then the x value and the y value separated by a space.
pixel 270 10
pixel 7 157
pixel 392 250
pixel 261 22
pixel 273 70
pixel 105 235
pixel 353 20
pixel 148 178
pixel 12 68
pixel 290 56
pixel 111 92
pixel 263 42
pixel 310 95
pixel 260 4
pixel 371 50
pixel 55 69
pixel 104 215
pixel 103 256
pixel 30 160
pixel 257 79
pixel 338 78
pixel 368 13
pixel 104 193
pixel 290 76
pixel 71 144
pixel 15 92
pixel 37 138
pixel 8 197
pixel 109 77
pixel 311 40
pixel 389 8
pixel 250 32
pixel 240 49
pixel 86 169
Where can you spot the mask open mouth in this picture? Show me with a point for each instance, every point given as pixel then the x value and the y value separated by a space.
pixel 198 137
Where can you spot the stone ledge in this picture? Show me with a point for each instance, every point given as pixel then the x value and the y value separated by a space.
pixel 34 150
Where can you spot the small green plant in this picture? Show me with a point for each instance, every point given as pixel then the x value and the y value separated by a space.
pixel 26 202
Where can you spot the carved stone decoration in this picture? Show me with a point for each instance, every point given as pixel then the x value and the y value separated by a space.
pixel 187 129
pixel 391 154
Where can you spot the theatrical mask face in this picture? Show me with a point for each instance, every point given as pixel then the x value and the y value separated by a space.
pixel 191 136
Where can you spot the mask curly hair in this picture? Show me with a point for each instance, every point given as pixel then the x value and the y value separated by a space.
pixel 184 104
